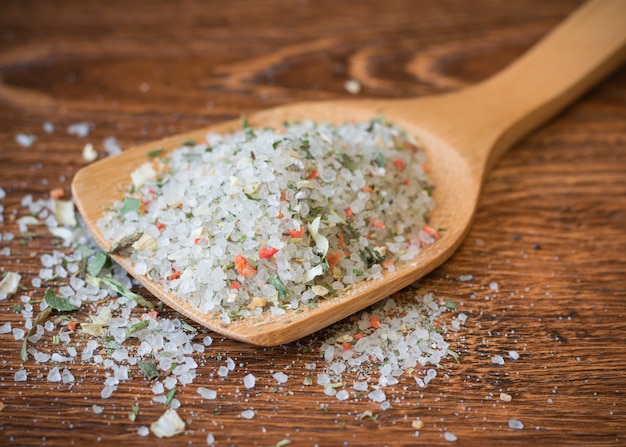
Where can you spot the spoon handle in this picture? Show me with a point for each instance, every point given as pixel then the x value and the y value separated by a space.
pixel 578 53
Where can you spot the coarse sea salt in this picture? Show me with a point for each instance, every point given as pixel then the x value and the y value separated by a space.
pixel 245 222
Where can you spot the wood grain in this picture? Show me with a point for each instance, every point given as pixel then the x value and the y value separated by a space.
pixel 549 228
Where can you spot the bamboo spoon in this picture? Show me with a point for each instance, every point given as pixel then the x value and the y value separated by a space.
pixel 464 133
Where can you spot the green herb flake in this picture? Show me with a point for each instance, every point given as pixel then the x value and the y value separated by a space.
pixel 18 308
pixel 379 159
pixel 189 328
pixel 189 142
pixel 156 152
pixel 275 282
pixel 137 327
pixel 117 286
pixel 169 397
pixel 132 414
pixel 96 265
pixel 148 369
pixel 57 302
pixel 450 304
pixel 283 443
pixel 131 204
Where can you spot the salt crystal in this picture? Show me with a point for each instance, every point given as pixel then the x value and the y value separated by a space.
pixel 20 376
pixel 97 409
pixel 81 130
pixel 170 382
pixel 280 377
pixel 222 371
pixel 515 424
pixel 112 146
pixel 514 355
pixel 497 359
pixel 48 127
pixel 465 278
pixel 230 364
pixel 5 328
pixel 207 393
pixel 25 140
pixel 342 395
pixel 249 381
pixel 449 436
pixel 247 414
pixel 66 376
pixel 377 396
pixel 210 439
pixel 54 375
pixel 493 286
pixel 143 431
pixel 18 333
pixel 360 386
pixel 107 391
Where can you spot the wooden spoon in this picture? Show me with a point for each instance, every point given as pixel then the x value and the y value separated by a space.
pixel 464 133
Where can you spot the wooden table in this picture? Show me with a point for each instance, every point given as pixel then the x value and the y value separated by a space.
pixel 550 229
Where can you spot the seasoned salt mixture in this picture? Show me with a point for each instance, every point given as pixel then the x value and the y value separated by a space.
pixel 268 220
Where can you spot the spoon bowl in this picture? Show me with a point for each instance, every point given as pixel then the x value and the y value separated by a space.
pixel 463 134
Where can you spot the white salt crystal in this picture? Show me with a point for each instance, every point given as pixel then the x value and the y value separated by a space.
pixel 247 414
pixel 66 376
pixel 54 375
pixel 280 377
pixel 230 364
pixel 48 127
pixel 20 376
pixel 25 140
pixel 210 439
pixel 112 146
pixel 493 286
pixel 514 355
pixel 5 328
pixel 360 386
pixel 449 436
pixel 207 393
pixel 515 424
pixel 497 359
pixel 81 130
pixel 342 395
pixel 158 388
pixel 249 381
pixel 170 382
pixel 168 425
pixel 465 278
pixel 97 409
pixel 377 396
pixel 107 391
pixel 222 371
pixel 18 333
pixel 143 431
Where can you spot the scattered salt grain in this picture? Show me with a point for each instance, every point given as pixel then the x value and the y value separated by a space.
pixel 514 355
pixel 342 395
pixel 207 393
pixel 67 377
pixel 48 127
pixel 222 371
pixel 207 340
pixel 249 381
pixel 493 286
pixel 143 431
pixel 107 391
pixel 515 424
pixel 377 396
pixel 25 140
pixel 54 375
pixel 504 397
pixel 247 414
pixel 80 130
pixel 5 328
pixel 352 86
pixel 449 436
pixel 20 376
pixel 97 409
pixel 18 333
pixel 466 278
pixel 497 360
pixel 111 146
pixel 89 153
pixel 210 439
pixel 280 377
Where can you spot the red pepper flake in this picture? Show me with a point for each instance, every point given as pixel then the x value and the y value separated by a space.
pixel 410 147
pixel 71 325
pixel 296 234
pixel 333 257
pixel 377 223
pixel 160 226
pixel 399 164
pixel 346 346
pixel 267 252
pixel 431 231
pixel 57 193
pixel 375 322
pixel 313 174
pixel 175 274
pixel 349 212
pixel 243 267
pixel 367 188
pixel 388 263
pixel 426 167
pixel 235 285
pixel 280 216
pixel 359 336
pixel 406 182
pixel 197 240
pixel 153 314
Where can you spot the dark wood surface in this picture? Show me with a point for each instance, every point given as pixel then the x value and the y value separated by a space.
pixel 550 228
